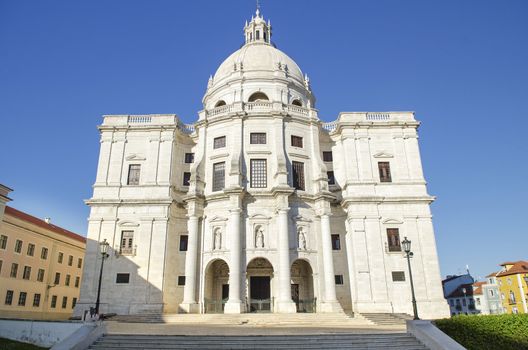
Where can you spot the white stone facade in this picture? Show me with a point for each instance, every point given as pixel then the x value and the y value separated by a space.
pixel 261 240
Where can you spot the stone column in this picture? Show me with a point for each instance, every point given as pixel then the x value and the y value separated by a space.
pixel 330 303
pixel 234 304
pixel 189 304
pixel 284 300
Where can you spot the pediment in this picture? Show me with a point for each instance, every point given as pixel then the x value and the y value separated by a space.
pixel 383 154
pixel 135 157
pixel 259 217
pixel 300 218
pixel 218 219
pixel 127 224
pixel 392 222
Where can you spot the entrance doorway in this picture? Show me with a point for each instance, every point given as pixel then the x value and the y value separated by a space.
pixel 259 274
pixel 302 290
pixel 216 291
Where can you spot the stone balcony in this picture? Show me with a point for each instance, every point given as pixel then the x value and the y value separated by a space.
pixel 146 120
pixel 257 108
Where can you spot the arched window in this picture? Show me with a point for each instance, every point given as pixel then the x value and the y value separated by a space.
pixel 220 103
pixel 258 96
pixel 297 102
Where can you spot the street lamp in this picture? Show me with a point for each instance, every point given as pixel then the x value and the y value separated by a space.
pixel 103 246
pixel 408 254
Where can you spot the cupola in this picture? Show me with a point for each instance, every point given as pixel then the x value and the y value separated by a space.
pixel 257 30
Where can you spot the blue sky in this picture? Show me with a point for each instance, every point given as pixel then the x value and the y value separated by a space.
pixel 461 65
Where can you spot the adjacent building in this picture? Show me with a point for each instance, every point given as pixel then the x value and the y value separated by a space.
pixel 40 267
pixel 513 284
pixel 259 205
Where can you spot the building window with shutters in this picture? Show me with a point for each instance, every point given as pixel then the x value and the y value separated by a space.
pixel 296 141
pixel 219 142
pixel 127 243
pixel 134 171
pixel 184 240
pixel 257 138
pixel 393 239
pixel 327 156
pixel 331 177
pixel 186 178
pixel 384 172
pixel 218 176
pixel 189 158
pixel 259 173
pixel 298 175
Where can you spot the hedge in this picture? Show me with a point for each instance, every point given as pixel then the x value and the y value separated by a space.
pixel 488 332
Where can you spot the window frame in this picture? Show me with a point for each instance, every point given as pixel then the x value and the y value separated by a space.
pixel 184 243
pixel 44 253
pixel 297 141
pixel 36 300
pixel 384 172
pixel 328 156
pixel 18 246
pixel 258 174
pixel 30 249
pixel 218 183
pixel 122 278
pixel 14 270
pixel 393 232
pixel 219 142
pixel 331 177
pixel 181 281
pixel 3 242
pixel 9 297
pixel 339 280
pixel 22 296
pixel 336 243
pixel 26 274
pixel 134 174
pixel 126 244
pixel 398 276
pixel 258 138
pixel 298 177
pixel 186 179
pixel 188 158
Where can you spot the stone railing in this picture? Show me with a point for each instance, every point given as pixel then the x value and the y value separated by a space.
pixel 261 105
pixel 378 116
pixel 139 119
pixel 298 110
pixel 329 126
pixel 219 110
pixel 186 128
pixel 258 106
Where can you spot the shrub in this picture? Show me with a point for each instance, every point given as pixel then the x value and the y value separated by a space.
pixel 488 332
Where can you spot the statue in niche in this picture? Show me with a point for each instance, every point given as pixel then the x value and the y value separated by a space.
pixel 217 244
pixel 302 239
pixel 259 237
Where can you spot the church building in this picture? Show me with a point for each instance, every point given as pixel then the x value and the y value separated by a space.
pixel 259 205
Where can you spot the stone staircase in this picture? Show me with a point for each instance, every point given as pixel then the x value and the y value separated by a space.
pixel 372 341
pixel 339 319
pixel 386 319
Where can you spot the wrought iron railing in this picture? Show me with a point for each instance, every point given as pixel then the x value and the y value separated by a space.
pixel 261 305
pixel 307 305
pixel 213 306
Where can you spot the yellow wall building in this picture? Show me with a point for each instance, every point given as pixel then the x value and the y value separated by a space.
pixel 512 280
pixel 40 267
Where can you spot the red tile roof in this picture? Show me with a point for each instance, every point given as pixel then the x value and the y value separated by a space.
pixel 477 287
pixel 493 274
pixel 520 266
pixel 41 223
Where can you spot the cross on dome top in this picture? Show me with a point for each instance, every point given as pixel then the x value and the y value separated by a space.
pixel 257 30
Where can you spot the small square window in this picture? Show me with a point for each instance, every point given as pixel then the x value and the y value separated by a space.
pixel 338 279
pixel 186 178
pixel 123 278
pixel 184 240
pixel 219 142
pixel 331 178
pixel 336 242
pixel 257 138
pixel 296 141
pixel 181 280
pixel 398 276
pixel 189 158
pixel 327 156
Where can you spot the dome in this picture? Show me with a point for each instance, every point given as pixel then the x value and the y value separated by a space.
pixel 261 58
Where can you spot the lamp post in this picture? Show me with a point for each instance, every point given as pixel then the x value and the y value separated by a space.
pixel 103 246
pixel 408 254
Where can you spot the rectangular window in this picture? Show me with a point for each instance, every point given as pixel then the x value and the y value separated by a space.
pixel 189 158
pixel 1 264
pixel 123 278
pixel 18 246
pixel 219 142
pixel 64 302
pixel 74 302
pixel 44 253
pixel 127 243
pixel 134 171
pixel 36 300
pixel 331 178
pixel 336 242
pixel 257 138
pixel 338 279
pixel 393 239
pixel 40 275
pixel 186 178
pixel 27 273
pixel 22 299
pixel 3 242
pixel 296 141
pixel 398 276
pixel 327 156
pixel 70 260
pixel 218 176
pixel 79 262
pixel 57 278
pixel 9 297
pixel 67 281
pixel 384 171
pixel 184 240
pixel 77 281
pixel 53 301
pixel 60 258
pixel 14 270
pixel 31 249
pixel 181 280
pixel 259 178
pixel 298 175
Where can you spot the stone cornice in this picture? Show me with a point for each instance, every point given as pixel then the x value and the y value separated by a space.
pixel 380 199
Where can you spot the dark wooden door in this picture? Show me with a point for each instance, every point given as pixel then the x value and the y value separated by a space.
pixel 260 287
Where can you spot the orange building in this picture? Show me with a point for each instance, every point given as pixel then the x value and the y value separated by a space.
pixel 40 267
